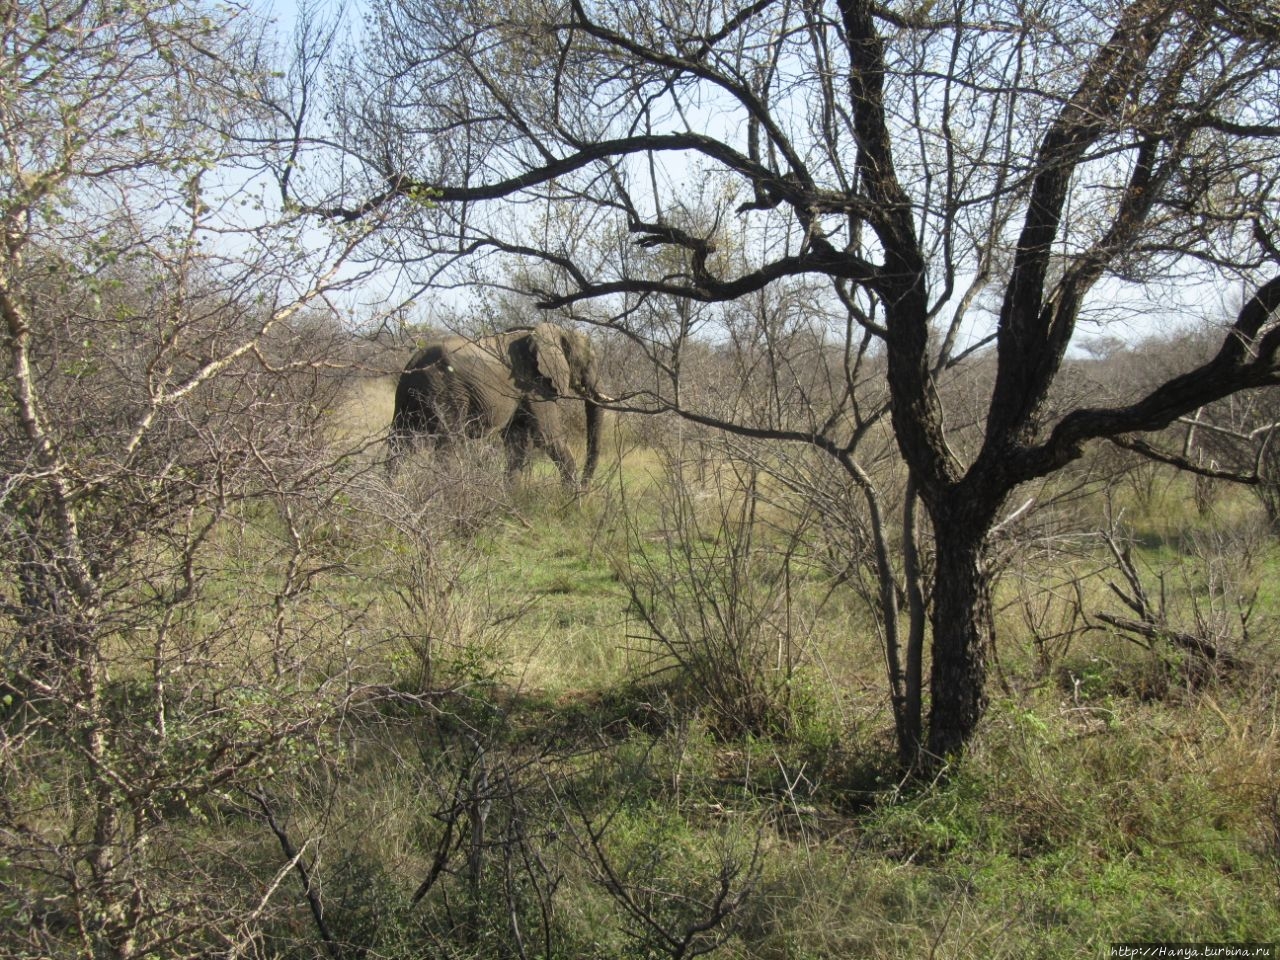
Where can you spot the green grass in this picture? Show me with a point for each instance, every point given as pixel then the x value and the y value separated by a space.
pixel 1080 836
pixel 1086 812
pixel 566 786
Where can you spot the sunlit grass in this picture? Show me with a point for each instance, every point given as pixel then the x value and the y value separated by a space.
pixel 1103 799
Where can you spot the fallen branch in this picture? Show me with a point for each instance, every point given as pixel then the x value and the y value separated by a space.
pixel 1197 646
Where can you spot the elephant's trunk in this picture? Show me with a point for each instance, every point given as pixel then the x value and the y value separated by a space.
pixel 595 419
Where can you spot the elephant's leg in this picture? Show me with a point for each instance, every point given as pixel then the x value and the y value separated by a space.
pixel 519 451
pixel 560 455
pixel 403 438
pixel 550 436
pixel 519 441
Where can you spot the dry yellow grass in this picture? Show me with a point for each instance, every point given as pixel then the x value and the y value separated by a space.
pixel 365 410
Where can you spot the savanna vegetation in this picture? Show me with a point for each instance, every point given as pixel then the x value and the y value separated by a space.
pixel 914 611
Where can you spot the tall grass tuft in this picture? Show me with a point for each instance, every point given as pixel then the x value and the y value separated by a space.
pixel 714 592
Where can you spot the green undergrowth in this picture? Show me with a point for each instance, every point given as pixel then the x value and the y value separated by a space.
pixel 610 816
pixel 549 786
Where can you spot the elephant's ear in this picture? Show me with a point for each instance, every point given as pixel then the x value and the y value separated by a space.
pixel 549 354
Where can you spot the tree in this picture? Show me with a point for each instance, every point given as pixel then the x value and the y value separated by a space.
pixel 159 403
pixel 958 175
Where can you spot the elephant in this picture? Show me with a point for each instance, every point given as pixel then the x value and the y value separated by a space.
pixel 511 384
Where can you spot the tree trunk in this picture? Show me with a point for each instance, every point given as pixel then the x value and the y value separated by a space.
pixel 961 620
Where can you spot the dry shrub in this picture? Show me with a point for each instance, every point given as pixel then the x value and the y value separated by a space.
pixel 715 593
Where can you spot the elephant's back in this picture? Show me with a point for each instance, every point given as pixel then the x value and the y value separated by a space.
pixel 458 351
pixel 430 355
pixel 455 384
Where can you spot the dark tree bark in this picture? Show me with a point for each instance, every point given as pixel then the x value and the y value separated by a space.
pixel 961 622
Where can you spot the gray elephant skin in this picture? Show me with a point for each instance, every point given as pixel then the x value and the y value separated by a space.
pixel 512 385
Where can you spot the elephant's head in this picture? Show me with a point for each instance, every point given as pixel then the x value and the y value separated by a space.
pixel 566 359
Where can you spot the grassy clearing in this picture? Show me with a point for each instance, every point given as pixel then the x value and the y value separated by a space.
pixel 1096 806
